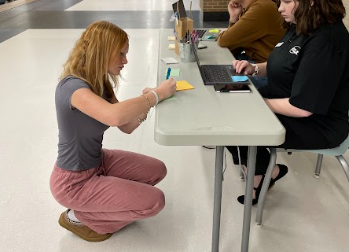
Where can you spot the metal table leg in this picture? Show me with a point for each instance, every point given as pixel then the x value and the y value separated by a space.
pixel 251 164
pixel 217 198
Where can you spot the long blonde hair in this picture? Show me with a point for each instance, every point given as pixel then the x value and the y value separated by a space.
pixel 89 60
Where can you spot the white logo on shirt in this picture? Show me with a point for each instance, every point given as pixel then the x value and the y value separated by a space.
pixel 295 50
pixel 279 44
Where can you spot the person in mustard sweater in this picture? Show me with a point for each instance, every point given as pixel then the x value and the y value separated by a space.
pixel 255 27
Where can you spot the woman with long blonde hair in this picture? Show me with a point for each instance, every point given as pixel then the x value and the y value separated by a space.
pixel 104 190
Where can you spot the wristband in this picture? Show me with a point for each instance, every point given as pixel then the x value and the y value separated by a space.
pixel 256 69
pixel 156 96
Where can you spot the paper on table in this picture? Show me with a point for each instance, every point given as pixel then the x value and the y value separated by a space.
pixel 183 85
pixel 169 60
pixel 210 37
pixel 175 72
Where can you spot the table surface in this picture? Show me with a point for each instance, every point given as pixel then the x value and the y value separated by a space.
pixel 202 116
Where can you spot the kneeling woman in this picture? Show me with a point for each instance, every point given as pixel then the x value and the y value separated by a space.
pixel 104 190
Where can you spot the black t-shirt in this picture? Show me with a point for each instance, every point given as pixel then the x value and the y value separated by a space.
pixel 313 71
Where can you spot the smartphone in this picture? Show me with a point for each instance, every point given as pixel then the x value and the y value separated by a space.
pixel 232 88
pixel 201 46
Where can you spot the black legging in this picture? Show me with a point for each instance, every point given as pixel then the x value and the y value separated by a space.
pixel 299 135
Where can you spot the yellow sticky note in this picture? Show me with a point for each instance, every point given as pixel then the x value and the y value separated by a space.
pixel 183 85
pixel 214 30
pixel 171 38
pixel 171 46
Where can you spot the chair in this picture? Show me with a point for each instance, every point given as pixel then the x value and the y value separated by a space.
pixel 337 152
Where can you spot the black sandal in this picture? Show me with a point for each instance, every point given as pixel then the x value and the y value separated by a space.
pixel 283 170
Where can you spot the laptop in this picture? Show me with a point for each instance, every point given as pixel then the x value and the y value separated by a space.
pixel 216 74
pixel 208 35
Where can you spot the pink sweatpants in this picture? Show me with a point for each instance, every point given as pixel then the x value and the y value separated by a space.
pixel 111 196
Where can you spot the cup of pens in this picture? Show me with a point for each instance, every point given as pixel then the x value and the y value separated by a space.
pixel 187 43
pixel 186 51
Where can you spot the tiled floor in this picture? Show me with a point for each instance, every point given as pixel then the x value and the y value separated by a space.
pixel 302 213
pixel 110 5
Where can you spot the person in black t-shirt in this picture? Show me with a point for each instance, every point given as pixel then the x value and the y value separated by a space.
pixel 308 76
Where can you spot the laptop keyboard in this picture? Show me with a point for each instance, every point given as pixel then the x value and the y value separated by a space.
pixel 216 73
pixel 200 33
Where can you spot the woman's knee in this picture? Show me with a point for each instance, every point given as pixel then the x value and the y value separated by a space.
pixel 158 201
pixel 159 171
pixel 162 169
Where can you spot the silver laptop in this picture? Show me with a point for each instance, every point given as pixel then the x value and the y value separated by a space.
pixel 206 35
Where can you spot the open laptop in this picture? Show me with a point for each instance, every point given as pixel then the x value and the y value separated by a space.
pixel 216 74
pixel 207 35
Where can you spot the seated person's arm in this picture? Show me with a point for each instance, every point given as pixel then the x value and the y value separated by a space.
pixel 245 29
pixel 283 107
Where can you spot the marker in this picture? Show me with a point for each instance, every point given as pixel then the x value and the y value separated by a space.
pixel 168 73
pixel 175 33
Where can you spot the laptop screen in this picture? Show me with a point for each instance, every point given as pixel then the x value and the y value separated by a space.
pixel 203 76
pixel 196 54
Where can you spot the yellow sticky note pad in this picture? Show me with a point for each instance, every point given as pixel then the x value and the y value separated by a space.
pixel 214 30
pixel 183 85
pixel 171 46
pixel 171 38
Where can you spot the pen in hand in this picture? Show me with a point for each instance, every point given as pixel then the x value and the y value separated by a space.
pixel 168 73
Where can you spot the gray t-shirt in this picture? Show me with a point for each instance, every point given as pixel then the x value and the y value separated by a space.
pixel 80 136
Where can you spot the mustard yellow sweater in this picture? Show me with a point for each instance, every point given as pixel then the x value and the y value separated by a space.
pixel 256 32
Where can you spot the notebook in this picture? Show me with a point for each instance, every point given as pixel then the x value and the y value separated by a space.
pixel 208 34
pixel 216 74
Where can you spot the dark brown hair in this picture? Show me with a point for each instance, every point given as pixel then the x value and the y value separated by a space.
pixel 312 14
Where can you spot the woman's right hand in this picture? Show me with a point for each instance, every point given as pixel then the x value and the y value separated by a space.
pixel 166 89
pixel 243 66
pixel 234 10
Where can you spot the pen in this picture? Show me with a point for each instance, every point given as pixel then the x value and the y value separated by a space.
pixel 175 33
pixel 168 73
pixel 176 15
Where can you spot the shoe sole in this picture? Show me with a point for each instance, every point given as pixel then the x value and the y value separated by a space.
pixel 64 223
pixel 209 147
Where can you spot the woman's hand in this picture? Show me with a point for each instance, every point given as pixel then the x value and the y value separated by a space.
pixel 243 66
pixel 234 10
pixel 166 89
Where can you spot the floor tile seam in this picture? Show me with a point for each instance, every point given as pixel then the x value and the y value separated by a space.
pixel 29 7
pixel 31 14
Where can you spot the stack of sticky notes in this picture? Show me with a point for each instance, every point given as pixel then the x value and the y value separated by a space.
pixel 183 85
pixel 175 72
pixel 214 30
pixel 239 78
pixel 170 60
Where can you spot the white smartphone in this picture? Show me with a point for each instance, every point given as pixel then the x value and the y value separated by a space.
pixel 201 46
